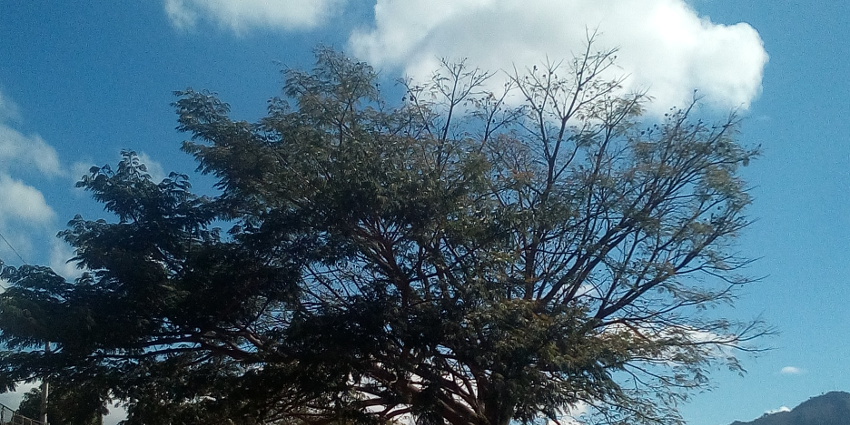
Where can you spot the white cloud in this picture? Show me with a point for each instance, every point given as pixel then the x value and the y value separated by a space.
pixel 79 169
pixel 154 168
pixel 8 109
pixel 180 14
pixel 27 151
pixel 26 220
pixel 60 253
pixel 665 46
pixel 781 409
pixel 572 415
pixel 791 370
pixel 19 150
pixel 22 203
pixel 240 15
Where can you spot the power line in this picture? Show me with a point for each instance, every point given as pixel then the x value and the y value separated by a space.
pixel 13 248
pixel 2 286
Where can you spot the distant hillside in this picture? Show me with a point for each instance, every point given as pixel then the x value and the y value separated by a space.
pixel 832 408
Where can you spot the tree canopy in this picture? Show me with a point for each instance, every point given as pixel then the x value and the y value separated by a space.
pixel 465 256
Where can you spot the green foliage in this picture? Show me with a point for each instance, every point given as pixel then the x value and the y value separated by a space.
pixel 68 406
pixel 456 259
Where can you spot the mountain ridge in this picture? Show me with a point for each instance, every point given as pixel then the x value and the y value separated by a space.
pixel 832 408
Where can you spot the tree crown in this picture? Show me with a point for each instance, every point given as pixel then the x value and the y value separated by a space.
pixel 465 257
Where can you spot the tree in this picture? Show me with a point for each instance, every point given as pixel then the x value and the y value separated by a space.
pixel 67 406
pixel 467 257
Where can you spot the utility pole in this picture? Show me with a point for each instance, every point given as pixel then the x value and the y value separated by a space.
pixel 45 390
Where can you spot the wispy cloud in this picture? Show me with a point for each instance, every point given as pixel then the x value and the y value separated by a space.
pixel 791 370
pixel 181 14
pixel 665 46
pixel 8 109
pixel 241 15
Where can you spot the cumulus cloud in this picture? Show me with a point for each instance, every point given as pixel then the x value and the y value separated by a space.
pixel 791 370
pixel 665 46
pixel 240 15
pixel 779 410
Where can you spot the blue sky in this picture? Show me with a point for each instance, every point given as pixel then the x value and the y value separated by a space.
pixel 80 81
